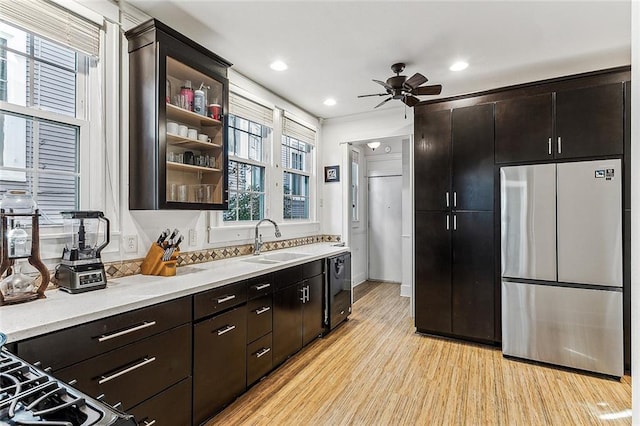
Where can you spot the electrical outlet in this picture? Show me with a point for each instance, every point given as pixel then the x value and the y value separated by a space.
pixel 130 243
pixel 193 237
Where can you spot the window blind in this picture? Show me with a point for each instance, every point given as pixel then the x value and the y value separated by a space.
pixel 298 131
pixel 53 22
pixel 249 110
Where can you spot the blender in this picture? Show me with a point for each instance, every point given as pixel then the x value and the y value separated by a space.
pixel 81 268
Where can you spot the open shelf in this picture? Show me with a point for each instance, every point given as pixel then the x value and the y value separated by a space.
pixel 190 168
pixel 185 142
pixel 190 117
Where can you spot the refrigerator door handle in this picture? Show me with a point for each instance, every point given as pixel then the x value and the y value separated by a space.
pixel 447 222
pixel 446 196
pixel 455 222
pixel 559 145
pixel 455 199
pixel 549 146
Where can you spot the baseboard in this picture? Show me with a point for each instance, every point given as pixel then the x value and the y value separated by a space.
pixel 359 279
pixel 357 283
pixel 405 290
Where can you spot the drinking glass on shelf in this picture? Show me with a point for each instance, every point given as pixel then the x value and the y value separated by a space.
pixel 183 193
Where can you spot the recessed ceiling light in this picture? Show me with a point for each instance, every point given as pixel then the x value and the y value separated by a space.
pixel 278 66
pixel 459 66
pixel 329 102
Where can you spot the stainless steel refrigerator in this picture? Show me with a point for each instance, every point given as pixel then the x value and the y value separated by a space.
pixel 561 244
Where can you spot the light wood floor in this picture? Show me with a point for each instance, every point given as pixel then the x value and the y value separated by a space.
pixel 374 370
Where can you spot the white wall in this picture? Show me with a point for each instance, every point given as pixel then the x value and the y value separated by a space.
pixel 372 125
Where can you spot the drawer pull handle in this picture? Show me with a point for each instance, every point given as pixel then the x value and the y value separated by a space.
pixel 262 351
pixel 151 423
pixel 262 286
pixel 106 337
pixel 144 362
pixel 226 298
pixel 226 329
pixel 262 310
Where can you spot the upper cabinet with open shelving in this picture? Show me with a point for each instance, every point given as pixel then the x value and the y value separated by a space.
pixel 178 101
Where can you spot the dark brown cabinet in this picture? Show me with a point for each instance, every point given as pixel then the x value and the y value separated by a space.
pixel 524 129
pixel 433 271
pixel 298 309
pixel 219 362
pixel 588 123
pixel 472 158
pixel 432 159
pixel 170 407
pixel 454 269
pixel 177 149
pixel 259 327
pixel 473 275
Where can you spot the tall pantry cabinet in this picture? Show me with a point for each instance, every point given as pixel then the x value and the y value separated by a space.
pixel 454 231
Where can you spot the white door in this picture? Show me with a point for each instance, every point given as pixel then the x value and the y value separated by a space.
pixel 385 228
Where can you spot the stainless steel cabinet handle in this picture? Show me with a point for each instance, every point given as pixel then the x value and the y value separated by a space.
pixel 106 337
pixel 151 423
pixel 262 286
pixel 144 362
pixel 549 146
pixel 455 199
pixel 226 298
pixel 262 310
pixel 455 222
pixel 262 351
pixel 447 222
pixel 559 145
pixel 73 382
pixel 303 298
pixel 447 198
pixel 308 292
pixel 225 329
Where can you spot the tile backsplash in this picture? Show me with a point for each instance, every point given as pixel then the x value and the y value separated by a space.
pixel 132 267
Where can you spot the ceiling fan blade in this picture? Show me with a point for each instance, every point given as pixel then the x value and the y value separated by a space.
pixel 410 100
pixel 415 80
pixel 383 102
pixel 383 84
pixel 436 89
pixel 375 94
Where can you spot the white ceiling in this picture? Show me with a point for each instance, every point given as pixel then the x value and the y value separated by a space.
pixel 334 48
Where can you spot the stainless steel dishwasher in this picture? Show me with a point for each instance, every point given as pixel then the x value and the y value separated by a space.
pixel 337 305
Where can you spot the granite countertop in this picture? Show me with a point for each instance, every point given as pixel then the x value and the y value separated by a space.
pixel 62 310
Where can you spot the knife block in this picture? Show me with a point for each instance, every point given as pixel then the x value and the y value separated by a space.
pixel 154 265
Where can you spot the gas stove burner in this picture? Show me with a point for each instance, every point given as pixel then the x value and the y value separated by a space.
pixel 29 396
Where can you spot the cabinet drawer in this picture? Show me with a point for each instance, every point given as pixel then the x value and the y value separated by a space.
pixel 259 315
pixel 259 359
pixel 260 286
pixel 312 269
pixel 63 348
pixel 219 362
pixel 134 373
pixel 286 277
pixel 169 408
pixel 219 299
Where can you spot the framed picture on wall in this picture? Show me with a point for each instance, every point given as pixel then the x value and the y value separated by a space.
pixel 332 174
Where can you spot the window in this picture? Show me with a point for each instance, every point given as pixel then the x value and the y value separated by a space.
pixel 42 120
pixel 355 183
pixel 295 178
pixel 247 144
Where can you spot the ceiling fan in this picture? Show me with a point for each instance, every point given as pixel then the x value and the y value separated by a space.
pixel 400 87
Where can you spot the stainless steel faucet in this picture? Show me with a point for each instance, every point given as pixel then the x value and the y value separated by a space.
pixel 257 245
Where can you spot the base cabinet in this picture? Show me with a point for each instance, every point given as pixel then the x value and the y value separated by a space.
pixel 287 322
pixel 171 407
pixel 219 354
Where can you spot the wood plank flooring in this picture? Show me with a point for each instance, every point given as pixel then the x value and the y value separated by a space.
pixel 374 370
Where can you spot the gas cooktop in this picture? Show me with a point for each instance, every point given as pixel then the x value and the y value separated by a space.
pixel 30 396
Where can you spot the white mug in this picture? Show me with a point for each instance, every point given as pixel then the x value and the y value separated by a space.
pixel 192 134
pixel 204 138
pixel 182 130
pixel 172 127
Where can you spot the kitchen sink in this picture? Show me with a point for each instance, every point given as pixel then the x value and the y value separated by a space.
pixel 284 256
pixel 260 260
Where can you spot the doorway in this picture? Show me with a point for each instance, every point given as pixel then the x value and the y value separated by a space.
pixel 385 228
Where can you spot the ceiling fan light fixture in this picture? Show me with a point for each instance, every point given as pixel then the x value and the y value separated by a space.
pixel 373 145
pixel 278 66
pixel 329 102
pixel 459 66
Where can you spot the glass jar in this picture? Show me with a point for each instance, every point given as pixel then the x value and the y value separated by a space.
pixel 18 201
